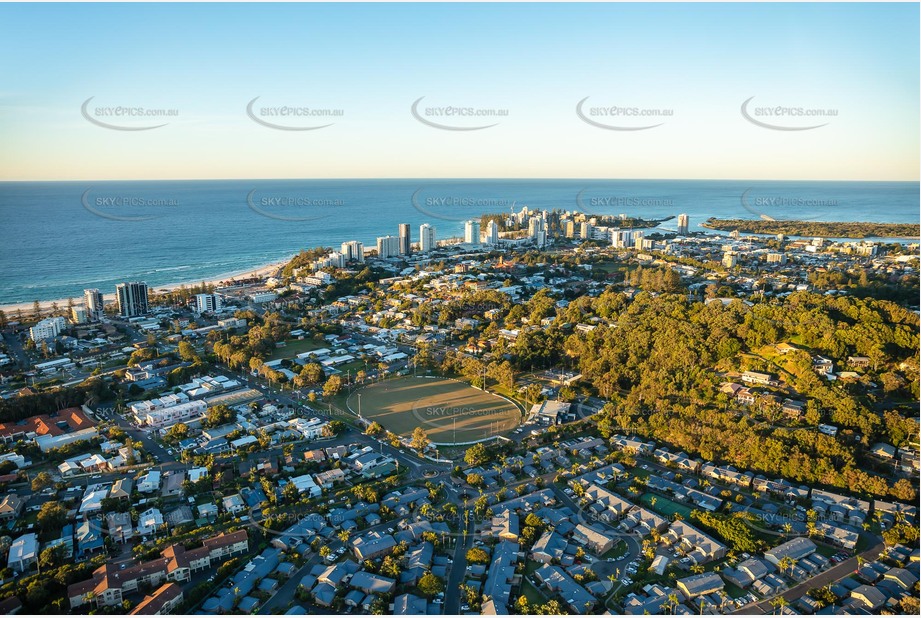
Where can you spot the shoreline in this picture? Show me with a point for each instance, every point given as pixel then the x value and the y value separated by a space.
pixel 263 271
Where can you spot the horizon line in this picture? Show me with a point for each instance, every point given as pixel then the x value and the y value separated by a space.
pixel 459 178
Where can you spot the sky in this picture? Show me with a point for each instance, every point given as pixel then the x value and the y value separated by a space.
pixel 688 69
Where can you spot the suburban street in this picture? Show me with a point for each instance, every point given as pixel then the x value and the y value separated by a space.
pixel 824 578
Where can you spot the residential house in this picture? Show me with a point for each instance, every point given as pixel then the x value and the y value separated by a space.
pixel 164 600
pixel 697 585
pixel 10 507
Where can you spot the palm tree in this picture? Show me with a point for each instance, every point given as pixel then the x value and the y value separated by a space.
pixel 673 601
pixel 779 603
pixel 786 563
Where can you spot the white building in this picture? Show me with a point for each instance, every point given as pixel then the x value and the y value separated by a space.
pixel 306 484
pixel 406 242
pixel 353 251
pixel 426 237
pixel 537 231
pixel 263 297
pixel 149 522
pixel 23 553
pixel 92 300
pixel 310 429
pixel 232 323
pixel 172 414
pixel 319 279
pixel 49 328
pixel 78 315
pixel 150 482
pixel 472 232
pixel 388 246
pixel 492 233
pixel 622 239
pixel 131 299
pixel 638 241
pixel 207 303
pixel 776 258
pixel 683 224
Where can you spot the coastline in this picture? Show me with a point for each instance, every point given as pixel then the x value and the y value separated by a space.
pixel 263 271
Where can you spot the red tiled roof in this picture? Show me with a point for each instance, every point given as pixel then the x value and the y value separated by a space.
pixel 223 540
pixel 43 424
pixel 155 602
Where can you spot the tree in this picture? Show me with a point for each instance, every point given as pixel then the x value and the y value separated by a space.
pixel 785 564
pixel 52 517
pixel 219 415
pixel 476 455
pixel 430 584
pixel 333 385
pixel 374 429
pixel 41 481
pixel 313 373
pixel 476 555
pixel 51 556
pixel 420 439
pixel 474 480
pixel 179 431
pixel 325 551
pixel 187 351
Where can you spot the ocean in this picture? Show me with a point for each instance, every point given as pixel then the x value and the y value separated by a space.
pixel 58 238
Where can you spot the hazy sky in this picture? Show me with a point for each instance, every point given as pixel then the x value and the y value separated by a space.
pixel 695 64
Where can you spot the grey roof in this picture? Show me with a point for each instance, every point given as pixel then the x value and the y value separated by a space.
pixel 370 582
pixel 703 583
pixel 498 586
pixel 409 604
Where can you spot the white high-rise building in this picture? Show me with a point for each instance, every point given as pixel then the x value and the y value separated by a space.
pixel 406 243
pixel 730 259
pixel 78 314
pixel 776 258
pixel 426 237
pixel 585 230
pixel 621 239
pixel 683 224
pixel 353 251
pixel 537 231
pixel 638 241
pixel 492 233
pixel 92 300
pixel 472 232
pixel 207 302
pixel 388 246
pixel 49 328
pixel 131 299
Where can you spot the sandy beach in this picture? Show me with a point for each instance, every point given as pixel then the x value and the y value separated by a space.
pixel 221 280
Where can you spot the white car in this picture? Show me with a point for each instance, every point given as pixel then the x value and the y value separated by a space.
pixel 465 608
